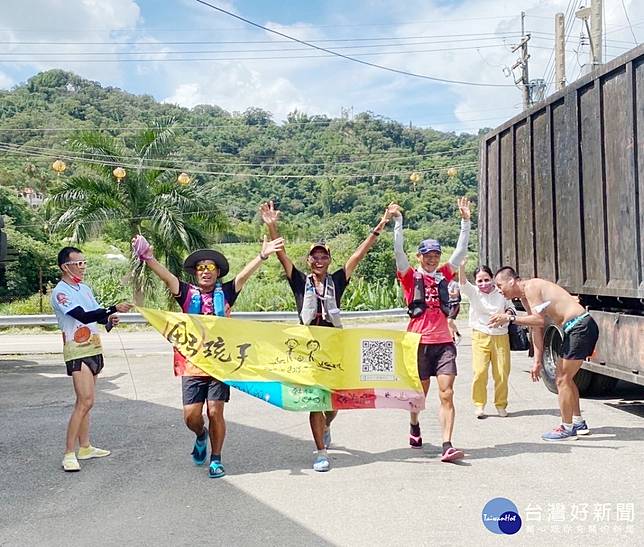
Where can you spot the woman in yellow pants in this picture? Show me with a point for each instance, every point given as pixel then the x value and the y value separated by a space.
pixel 490 345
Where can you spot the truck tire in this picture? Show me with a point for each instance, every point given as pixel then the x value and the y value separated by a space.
pixel 552 339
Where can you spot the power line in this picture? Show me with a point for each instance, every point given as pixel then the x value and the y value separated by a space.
pixel 475 35
pixel 119 59
pixel 206 212
pixel 270 58
pixel 328 122
pixel 262 50
pixel 10 148
pixel 552 53
pixel 636 24
pixel 430 39
pixel 184 162
pixel 219 29
pixel 570 23
pixel 628 20
pixel 349 58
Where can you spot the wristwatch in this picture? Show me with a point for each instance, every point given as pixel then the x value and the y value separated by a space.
pixel 511 317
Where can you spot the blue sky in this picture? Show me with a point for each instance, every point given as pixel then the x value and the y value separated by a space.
pixel 126 43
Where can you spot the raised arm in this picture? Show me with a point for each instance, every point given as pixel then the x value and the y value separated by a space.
pixel 268 248
pixel 363 249
pixel 143 251
pixel 466 287
pixel 402 262
pixel 270 216
pixel 462 278
pixel 460 252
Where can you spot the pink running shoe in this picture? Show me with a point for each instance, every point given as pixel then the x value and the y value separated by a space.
pixel 452 454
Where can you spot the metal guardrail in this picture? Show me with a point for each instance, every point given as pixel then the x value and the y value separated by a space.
pixel 137 318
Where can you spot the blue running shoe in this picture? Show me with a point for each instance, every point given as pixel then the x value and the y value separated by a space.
pixel 560 434
pixel 321 463
pixel 326 439
pixel 216 470
pixel 581 428
pixel 200 450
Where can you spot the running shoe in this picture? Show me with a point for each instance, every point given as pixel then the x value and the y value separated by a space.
pixel 89 452
pixel 452 454
pixel 502 412
pixel 581 428
pixel 200 449
pixel 321 463
pixel 70 463
pixel 415 441
pixel 560 434
pixel 216 470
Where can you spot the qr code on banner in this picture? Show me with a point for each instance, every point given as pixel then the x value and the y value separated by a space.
pixel 377 360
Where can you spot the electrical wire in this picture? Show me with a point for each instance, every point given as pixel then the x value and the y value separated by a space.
pixel 628 20
pixel 137 166
pixel 269 58
pixel 263 50
pixel 215 29
pixel 352 58
pixel 326 122
pixel 185 163
pixel 459 37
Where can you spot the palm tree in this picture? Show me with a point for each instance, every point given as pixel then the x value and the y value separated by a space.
pixel 148 200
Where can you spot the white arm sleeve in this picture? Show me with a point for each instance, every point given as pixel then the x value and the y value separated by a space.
pixel 468 289
pixel 402 262
pixel 460 252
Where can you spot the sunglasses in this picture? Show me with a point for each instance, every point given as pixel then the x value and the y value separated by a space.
pixel 76 263
pixel 204 267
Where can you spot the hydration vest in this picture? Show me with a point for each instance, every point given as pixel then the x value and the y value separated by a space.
pixel 200 303
pixel 212 303
pixel 438 295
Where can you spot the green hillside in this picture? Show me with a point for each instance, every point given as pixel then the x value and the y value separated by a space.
pixel 330 177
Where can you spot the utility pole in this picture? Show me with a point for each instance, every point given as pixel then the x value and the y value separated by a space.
pixel 596 33
pixel 523 63
pixel 594 13
pixel 560 52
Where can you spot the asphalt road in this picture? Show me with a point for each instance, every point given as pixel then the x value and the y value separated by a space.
pixel 379 492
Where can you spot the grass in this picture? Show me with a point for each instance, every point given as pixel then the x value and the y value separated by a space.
pixel 267 290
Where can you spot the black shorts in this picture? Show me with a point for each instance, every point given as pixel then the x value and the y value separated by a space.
pixel 197 389
pixel 436 359
pixel 94 362
pixel 579 342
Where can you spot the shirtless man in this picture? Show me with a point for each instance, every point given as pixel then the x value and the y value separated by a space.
pixel 543 298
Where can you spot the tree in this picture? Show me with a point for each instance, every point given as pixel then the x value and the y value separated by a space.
pixel 148 200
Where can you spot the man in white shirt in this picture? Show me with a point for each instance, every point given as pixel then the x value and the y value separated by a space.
pixel 78 313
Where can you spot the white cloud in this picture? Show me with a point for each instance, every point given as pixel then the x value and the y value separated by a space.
pixel 320 85
pixel 5 81
pixel 234 87
pixel 42 21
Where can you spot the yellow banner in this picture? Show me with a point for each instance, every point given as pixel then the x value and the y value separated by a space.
pixel 298 367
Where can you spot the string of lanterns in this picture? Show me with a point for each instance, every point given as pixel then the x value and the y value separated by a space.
pixel 119 173
pixel 184 179
pixel 417 176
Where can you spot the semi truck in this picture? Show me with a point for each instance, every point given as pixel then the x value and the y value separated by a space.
pixel 561 197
